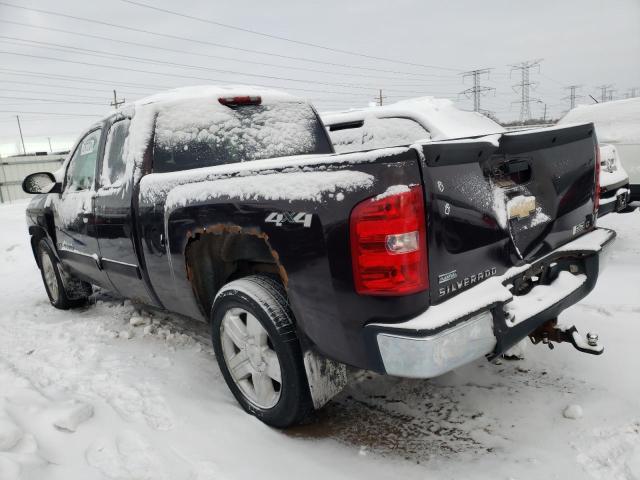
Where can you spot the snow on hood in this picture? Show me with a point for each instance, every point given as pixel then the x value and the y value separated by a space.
pixel 438 115
pixel 616 122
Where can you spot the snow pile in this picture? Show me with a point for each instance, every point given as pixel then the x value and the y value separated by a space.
pixel 615 122
pixel 438 116
pixel 573 412
pixel 311 186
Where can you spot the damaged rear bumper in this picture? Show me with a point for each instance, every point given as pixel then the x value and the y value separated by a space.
pixel 491 317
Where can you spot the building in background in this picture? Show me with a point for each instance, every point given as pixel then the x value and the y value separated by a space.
pixel 14 169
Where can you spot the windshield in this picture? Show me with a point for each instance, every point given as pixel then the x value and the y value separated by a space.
pixel 195 133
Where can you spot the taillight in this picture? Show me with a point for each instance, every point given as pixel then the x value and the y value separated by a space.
pixel 596 197
pixel 238 101
pixel 388 244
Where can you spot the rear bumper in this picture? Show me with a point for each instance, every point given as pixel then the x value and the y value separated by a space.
pixel 491 317
pixel 614 200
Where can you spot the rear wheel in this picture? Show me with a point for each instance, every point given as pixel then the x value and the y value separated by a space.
pixel 63 294
pixel 258 351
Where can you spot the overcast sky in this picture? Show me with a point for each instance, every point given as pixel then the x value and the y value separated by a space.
pixel 583 42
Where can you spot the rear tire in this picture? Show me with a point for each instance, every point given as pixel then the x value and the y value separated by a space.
pixel 258 350
pixel 64 295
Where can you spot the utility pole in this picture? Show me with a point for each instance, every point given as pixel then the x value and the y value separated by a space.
pixel 544 117
pixel 477 90
pixel 525 86
pixel 380 98
pixel 632 92
pixel 604 92
pixel 116 103
pixel 50 149
pixel 24 150
pixel 572 95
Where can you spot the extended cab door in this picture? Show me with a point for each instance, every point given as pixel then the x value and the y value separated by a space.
pixel 75 223
pixel 115 218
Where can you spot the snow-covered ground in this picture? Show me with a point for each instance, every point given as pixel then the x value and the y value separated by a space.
pixel 108 392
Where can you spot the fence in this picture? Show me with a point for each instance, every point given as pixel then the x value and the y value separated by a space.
pixel 14 169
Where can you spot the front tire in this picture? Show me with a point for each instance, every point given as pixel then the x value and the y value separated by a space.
pixel 258 351
pixel 63 295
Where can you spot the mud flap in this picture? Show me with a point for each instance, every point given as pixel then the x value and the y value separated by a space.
pixel 326 378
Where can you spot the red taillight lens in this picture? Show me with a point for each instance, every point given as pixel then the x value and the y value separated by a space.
pixel 596 199
pixel 237 101
pixel 389 244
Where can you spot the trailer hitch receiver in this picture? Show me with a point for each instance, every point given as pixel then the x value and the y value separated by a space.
pixel 551 332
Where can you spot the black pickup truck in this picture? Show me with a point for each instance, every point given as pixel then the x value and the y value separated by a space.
pixel 229 205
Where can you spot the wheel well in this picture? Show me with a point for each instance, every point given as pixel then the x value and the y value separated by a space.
pixel 214 259
pixel 37 234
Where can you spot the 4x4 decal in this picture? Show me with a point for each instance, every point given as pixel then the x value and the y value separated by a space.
pixel 280 218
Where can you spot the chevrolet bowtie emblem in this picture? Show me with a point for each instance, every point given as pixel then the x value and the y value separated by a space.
pixel 521 206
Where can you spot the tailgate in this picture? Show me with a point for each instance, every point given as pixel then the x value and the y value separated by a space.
pixel 503 200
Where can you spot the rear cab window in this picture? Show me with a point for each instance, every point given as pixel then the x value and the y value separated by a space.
pixel 373 132
pixel 201 133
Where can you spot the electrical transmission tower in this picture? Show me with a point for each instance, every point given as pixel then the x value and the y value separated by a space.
pixel 572 95
pixel 477 90
pixel 525 87
pixel 606 92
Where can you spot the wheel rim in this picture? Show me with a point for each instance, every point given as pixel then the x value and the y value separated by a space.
pixel 50 276
pixel 250 358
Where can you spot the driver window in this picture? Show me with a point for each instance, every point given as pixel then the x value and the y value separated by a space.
pixel 82 167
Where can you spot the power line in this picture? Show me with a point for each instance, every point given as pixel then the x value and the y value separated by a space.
pixel 234 59
pixel 22 112
pixel 206 79
pixel 177 37
pixel 75 88
pixel 58 76
pixel 525 86
pixel 477 90
pixel 277 37
pixel 38 92
pixel 111 55
pixel 48 100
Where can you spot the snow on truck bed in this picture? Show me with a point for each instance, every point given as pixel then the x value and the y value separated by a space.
pixel 111 392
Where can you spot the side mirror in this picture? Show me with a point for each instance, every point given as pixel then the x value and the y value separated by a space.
pixel 41 182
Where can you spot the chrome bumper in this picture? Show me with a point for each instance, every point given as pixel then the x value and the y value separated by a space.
pixel 425 347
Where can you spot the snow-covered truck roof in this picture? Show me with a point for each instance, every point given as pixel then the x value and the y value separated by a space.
pixel 267 95
pixel 615 122
pixel 438 115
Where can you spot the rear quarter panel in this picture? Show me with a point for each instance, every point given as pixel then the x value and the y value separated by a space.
pixel 314 260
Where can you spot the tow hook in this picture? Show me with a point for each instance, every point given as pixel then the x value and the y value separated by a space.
pixel 550 332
